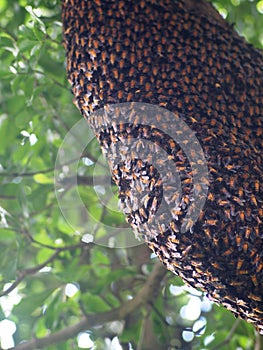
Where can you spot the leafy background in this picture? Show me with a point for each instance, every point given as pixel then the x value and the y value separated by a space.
pixel 49 278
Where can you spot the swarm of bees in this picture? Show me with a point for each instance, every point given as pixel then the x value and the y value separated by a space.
pixel 163 54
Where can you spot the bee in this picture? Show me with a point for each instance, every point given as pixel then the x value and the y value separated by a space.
pixel 254 200
pixel 257 110
pixel 248 232
pixel 103 56
pixel 187 250
pixel 254 280
pixel 216 266
pixel 259 267
pixel 236 283
pixel 211 222
pixel 143 213
pixel 223 202
pixel 159 50
pixel 165 251
pixel 228 252
pixel 188 225
pixel 121 63
pixel 112 58
pixel 242 216
pixel 240 302
pixel 216 241
pixel 240 262
pixel 141 80
pixel 147 86
pixel 241 192
pixel 211 197
pixel 111 84
pixel 118 47
pixel 115 73
pixel 245 247
pixel 196 263
pixel 251 110
pixel 127 42
pixel 120 94
pixel 132 58
pixel 109 38
pixel 238 241
pixel 176 264
pixel 254 297
pixel 129 97
pixel 208 234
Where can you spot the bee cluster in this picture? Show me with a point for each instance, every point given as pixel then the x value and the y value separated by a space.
pixel 162 54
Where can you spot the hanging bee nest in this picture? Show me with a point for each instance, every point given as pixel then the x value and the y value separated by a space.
pixel 194 90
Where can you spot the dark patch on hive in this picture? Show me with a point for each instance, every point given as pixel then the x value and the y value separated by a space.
pixel 160 53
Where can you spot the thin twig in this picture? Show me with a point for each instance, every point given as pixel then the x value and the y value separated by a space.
pixel 2 196
pixel 48 246
pixel 159 314
pixel 86 180
pixel 229 337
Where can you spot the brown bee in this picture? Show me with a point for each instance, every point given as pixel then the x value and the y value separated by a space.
pixel 254 279
pixel 259 267
pixel 216 266
pixel 254 297
pixel 238 241
pixel 112 58
pixel 228 252
pixel 254 200
pixel 245 247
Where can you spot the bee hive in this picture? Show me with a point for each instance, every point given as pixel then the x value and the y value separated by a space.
pixel 163 54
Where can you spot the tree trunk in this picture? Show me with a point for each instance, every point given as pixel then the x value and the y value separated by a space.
pixel 186 147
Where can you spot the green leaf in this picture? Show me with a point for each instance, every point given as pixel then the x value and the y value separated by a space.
pixel 36 18
pixel 94 303
pixel 9 260
pixel 29 86
pixel 2 314
pixel 132 333
pixel 52 311
pixel 7 235
pixel 39 33
pixel 26 32
pixel 43 179
pixel 99 258
pixel 112 300
pixel 73 272
pixel 38 199
pixel 32 302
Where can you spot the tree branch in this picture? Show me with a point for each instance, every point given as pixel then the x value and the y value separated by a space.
pixel 258 342
pixel 31 271
pixel 44 171
pixel 30 173
pixel 147 294
pixel 86 180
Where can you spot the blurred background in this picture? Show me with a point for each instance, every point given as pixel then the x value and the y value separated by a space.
pixel 52 275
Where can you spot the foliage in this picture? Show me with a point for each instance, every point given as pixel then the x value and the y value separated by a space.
pixel 49 278
pixel 246 16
